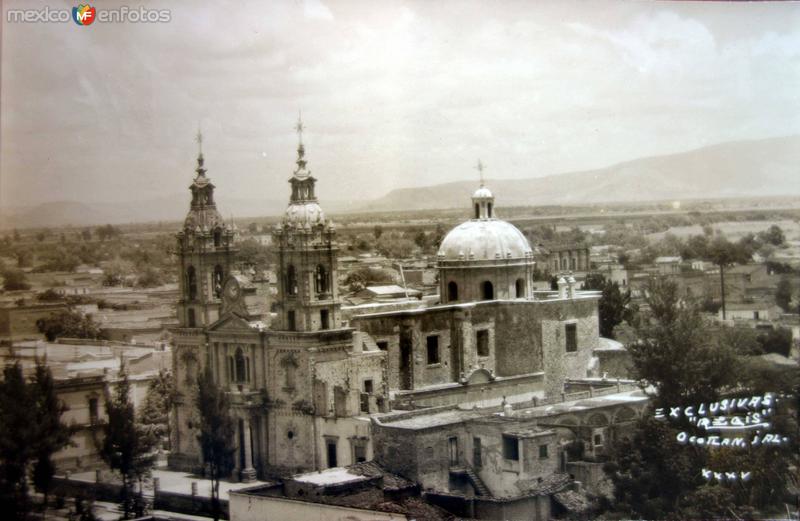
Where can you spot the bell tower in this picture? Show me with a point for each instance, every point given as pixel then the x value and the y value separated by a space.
pixel 308 298
pixel 205 251
pixel 205 257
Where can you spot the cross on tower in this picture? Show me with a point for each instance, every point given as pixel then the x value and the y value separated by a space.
pixel 480 167
pixel 299 127
pixel 199 139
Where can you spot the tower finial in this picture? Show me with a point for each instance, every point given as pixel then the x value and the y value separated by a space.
pixel 299 127
pixel 199 140
pixel 480 167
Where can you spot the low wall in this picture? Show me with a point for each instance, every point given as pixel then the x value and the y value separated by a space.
pixel 187 504
pixel 161 500
pixel 528 508
pixel 110 492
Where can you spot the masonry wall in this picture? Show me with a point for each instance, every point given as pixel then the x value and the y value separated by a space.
pixel 524 336
pixel 244 507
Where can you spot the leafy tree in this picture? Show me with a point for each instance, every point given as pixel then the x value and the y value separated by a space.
pixel 216 434
pixel 773 235
pixel 157 406
pixel 675 352
pixel 86 234
pixel 652 471
pixel 360 278
pixel 15 280
pixel 125 446
pixel 253 254
pixel 60 259
pixel 777 340
pixel 107 232
pixel 69 323
pixel 395 246
pixel 783 294
pixel 613 306
pixel 377 231
pixel 16 451
pixel 51 434
pixel 150 278
pixel 117 271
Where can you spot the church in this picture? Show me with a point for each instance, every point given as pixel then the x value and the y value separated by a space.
pixel 311 385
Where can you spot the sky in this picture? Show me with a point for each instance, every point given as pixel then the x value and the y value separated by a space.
pixel 393 93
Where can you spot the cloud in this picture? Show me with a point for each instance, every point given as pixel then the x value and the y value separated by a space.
pixel 396 93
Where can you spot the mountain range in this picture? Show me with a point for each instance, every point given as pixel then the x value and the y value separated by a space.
pixel 767 167
pixel 754 168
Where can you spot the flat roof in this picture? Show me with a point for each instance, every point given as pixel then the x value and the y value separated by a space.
pixel 334 476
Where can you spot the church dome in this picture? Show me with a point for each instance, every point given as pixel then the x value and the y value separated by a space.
pixel 302 213
pixel 484 239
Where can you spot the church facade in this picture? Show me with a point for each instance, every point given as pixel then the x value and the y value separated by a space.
pixel 308 388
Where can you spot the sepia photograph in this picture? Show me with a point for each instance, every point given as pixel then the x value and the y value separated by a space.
pixel 399 260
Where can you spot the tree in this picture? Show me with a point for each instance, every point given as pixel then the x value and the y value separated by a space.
pixel 69 323
pixel 783 294
pixel 676 353
pixel 157 406
pixel 723 253
pixel 651 471
pixel 360 278
pixel 125 446
pixel 253 254
pixel 51 434
pixel 150 278
pixel 777 340
pixel 16 451
pixel 395 246
pixel 654 476
pixel 377 231
pixel 613 306
pixel 216 434
pixel 107 232
pixel 15 280
pixel 117 271
pixel 86 234
pixel 773 235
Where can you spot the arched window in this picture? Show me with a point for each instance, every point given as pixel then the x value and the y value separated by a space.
pixel 191 282
pixel 217 238
pixel 218 275
pixel 190 318
pixel 573 263
pixel 563 264
pixel 241 366
pixel 520 287
pixel 291 281
pixel 452 291
pixel 487 290
pixel 477 211
pixel 321 279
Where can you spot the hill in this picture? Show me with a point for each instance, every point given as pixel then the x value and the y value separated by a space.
pixel 756 168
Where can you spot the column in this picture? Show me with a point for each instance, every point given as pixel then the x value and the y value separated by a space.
pixel 248 472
